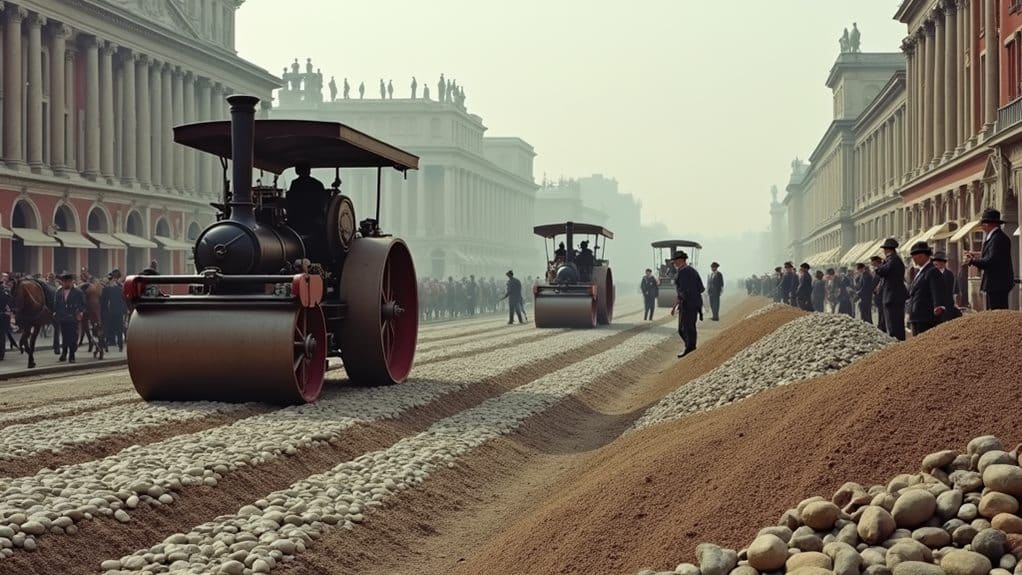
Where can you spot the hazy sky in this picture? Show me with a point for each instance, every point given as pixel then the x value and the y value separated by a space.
pixel 696 107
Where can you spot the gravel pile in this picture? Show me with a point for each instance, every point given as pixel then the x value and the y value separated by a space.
pixel 58 434
pixel 65 407
pixel 767 309
pixel 273 529
pixel 959 515
pixel 151 473
pixel 806 347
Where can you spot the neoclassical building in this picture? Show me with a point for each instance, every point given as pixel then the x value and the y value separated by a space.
pixel 91 90
pixel 468 209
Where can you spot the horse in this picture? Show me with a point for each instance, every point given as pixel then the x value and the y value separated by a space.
pixel 91 324
pixel 32 312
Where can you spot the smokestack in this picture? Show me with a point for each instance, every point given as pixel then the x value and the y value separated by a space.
pixel 569 229
pixel 242 144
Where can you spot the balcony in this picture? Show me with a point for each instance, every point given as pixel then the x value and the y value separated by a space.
pixel 1009 116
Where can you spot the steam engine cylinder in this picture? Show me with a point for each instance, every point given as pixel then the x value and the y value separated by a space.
pixel 567 274
pixel 237 248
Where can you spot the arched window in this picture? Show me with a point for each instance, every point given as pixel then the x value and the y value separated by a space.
pixel 24 259
pixel 137 259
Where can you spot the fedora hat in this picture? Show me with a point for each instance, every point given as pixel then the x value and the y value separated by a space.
pixel 680 256
pixel 920 248
pixel 510 273
pixel 66 275
pixel 714 265
pixel 889 244
pixel 991 215
pixel 939 256
pixel 803 265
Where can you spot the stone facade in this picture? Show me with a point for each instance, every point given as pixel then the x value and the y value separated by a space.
pixel 91 91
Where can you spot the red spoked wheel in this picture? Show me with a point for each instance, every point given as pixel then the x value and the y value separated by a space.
pixel 381 328
pixel 309 345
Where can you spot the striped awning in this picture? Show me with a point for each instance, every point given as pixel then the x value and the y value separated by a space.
pixel 134 241
pixel 906 247
pixel 73 240
pixel 174 245
pixel 965 230
pixel 871 250
pixel 106 241
pixel 35 238
pixel 853 255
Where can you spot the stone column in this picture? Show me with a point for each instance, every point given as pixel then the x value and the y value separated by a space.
pixel 166 131
pixel 215 185
pixel 938 87
pixel 34 137
pixel 991 38
pixel 144 118
pixel 908 46
pixel 129 161
pixel 951 80
pixel 156 122
pixel 106 99
pixel 202 185
pixel 92 124
pixel 13 83
pixel 188 179
pixel 926 96
pixel 178 115
pixel 58 43
pixel 960 84
pixel 71 103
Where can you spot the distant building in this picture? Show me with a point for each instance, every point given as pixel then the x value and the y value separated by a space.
pixel 91 90
pixel 469 207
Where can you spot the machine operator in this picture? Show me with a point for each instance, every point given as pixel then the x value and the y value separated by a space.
pixel 585 261
pixel 306 202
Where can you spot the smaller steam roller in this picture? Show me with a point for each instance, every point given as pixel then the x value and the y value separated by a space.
pixel 578 291
pixel 282 282
pixel 666 296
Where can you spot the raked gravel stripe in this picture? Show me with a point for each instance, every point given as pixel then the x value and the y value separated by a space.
pixel 32 505
pixel 805 347
pixel 62 408
pixel 274 528
pixel 58 434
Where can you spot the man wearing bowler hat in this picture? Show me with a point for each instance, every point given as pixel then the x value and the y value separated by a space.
pixel 995 261
pixel 714 287
pixel 689 288
pixel 950 287
pixel 70 305
pixel 878 293
pixel 513 295
pixel 894 293
pixel 926 294
pixel 804 291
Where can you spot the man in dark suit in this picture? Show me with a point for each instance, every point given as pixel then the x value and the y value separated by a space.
pixel 995 261
pixel 70 305
pixel 513 295
pixel 894 294
pixel 689 288
pixel 864 292
pixel 819 292
pixel 804 292
pixel 789 284
pixel 843 285
pixel 113 308
pixel 714 287
pixel 649 285
pixel 778 276
pixel 926 294
pixel 950 287
pixel 878 294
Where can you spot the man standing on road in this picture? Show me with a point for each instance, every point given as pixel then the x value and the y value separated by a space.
pixel 864 292
pixel 926 294
pixel 689 288
pixel 70 306
pixel 514 298
pixel 995 261
pixel 950 287
pixel 804 292
pixel 878 293
pixel 892 272
pixel 714 287
pixel 113 308
pixel 648 286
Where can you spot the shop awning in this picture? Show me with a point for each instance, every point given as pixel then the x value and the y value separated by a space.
pixel 74 240
pixel 906 247
pixel 35 238
pixel 931 233
pixel 1017 232
pixel 106 241
pixel 824 257
pixel 5 233
pixel 134 241
pixel 175 245
pixel 852 255
pixel 964 231
pixel 947 230
pixel 871 250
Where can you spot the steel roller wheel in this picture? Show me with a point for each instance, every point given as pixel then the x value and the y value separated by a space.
pixel 665 297
pixel 271 353
pixel 604 280
pixel 577 311
pixel 379 333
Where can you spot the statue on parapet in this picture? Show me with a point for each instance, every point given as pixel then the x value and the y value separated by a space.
pixel 425 91
pixel 845 42
pixel 415 87
pixel 333 89
pixel 308 65
pixel 855 38
pixel 459 95
pixel 449 97
pixel 383 90
pixel 347 89
pixel 441 90
pixel 296 67
pixel 390 89
pixel 773 193
pixel 361 90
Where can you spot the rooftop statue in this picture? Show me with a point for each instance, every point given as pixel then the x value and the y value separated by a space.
pixel 415 87
pixel 333 89
pixel 845 42
pixel 855 38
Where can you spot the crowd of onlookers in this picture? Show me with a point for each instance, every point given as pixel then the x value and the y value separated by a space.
pixel 467 297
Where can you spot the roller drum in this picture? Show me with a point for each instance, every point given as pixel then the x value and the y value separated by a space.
pixel 565 311
pixel 259 352
pixel 666 296
pixel 604 280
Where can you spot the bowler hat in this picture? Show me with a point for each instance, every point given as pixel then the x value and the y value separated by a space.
pixel 876 259
pixel 714 265
pixel 803 265
pixel 66 276
pixel 116 273
pixel 509 273
pixel 889 244
pixel 939 256
pixel 991 215
pixel 920 248
pixel 680 256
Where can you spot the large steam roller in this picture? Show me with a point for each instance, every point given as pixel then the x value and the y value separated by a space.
pixel 275 295
pixel 579 287
pixel 663 258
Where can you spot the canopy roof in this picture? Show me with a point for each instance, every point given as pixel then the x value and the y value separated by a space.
pixel 677 244
pixel 280 144
pixel 553 230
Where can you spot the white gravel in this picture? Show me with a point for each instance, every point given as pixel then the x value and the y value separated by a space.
pixel 64 407
pixel 805 347
pixel 116 483
pixel 273 529
pixel 767 309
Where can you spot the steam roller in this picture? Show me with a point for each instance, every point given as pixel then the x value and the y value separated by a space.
pixel 282 282
pixel 665 266
pixel 578 291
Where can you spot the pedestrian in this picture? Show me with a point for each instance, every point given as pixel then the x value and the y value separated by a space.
pixel 804 292
pixel 513 295
pixel 892 271
pixel 819 292
pixel 715 287
pixel 864 292
pixel 70 306
pixel 649 287
pixel 878 294
pixel 113 308
pixel 778 297
pixel 843 285
pixel 995 261
pixel 926 294
pixel 688 287
pixel 951 291
pixel 789 284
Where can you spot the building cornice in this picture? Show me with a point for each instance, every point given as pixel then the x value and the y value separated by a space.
pixel 836 130
pixel 892 90
pixel 908 9
pixel 52 185
pixel 858 61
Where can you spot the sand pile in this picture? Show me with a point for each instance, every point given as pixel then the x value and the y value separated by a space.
pixel 650 498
